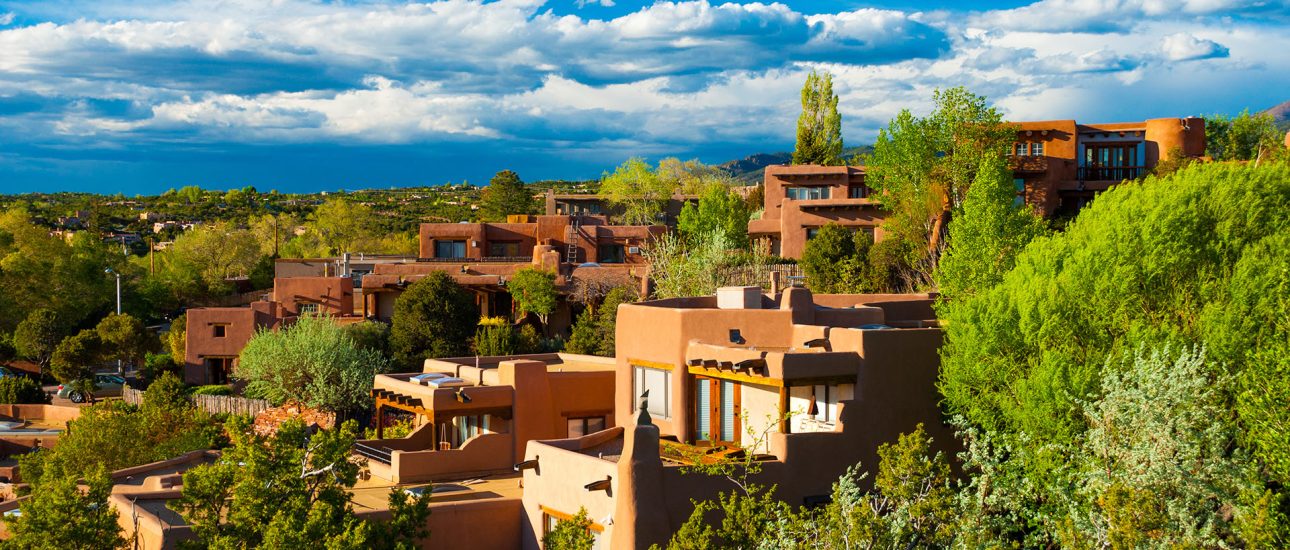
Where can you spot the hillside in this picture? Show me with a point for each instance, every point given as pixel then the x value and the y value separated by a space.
pixel 1281 113
pixel 749 169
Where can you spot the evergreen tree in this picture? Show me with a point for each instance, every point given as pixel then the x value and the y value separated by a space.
pixel 434 317
pixel 506 194
pixel 819 128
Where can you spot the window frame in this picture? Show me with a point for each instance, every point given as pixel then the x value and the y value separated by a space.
pixel 638 380
pixel 219 330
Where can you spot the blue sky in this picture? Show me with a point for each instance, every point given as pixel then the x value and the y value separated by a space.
pixel 297 95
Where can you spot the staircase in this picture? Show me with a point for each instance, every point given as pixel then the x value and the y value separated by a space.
pixel 571 240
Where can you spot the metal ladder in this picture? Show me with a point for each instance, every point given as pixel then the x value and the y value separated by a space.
pixel 571 241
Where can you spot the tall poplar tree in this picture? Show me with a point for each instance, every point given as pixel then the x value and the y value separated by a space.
pixel 819 128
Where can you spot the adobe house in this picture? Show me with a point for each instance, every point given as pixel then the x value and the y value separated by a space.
pixel 591 204
pixel 809 384
pixel 475 416
pixel 215 336
pixel 1058 167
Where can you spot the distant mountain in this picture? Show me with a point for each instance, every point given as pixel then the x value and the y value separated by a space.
pixel 749 169
pixel 1281 113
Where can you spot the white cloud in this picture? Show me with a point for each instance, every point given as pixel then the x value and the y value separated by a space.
pixel 1184 46
pixel 7 18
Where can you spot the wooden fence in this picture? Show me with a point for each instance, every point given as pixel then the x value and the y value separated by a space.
pixel 759 275
pixel 213 404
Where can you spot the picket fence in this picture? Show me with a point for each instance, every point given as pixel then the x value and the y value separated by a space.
pixel 213 404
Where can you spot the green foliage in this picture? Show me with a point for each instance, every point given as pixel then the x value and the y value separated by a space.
pixel 289 491
pixel 59 514
pixel 167 392
pixel 313 361
pixel 393 430
pixel 75 357
pixel 835 260
pixel 202 260
pixel 1198 257
pixel 988 233
pixel 506 194
pixel 595 329
pixel 719 209
pixel 157 364
pixel 176 338
pixel 921 168
pixel 38 336
pixel 571 534
pixel 124 338
pixel 434 317
pixel 642 192
pixel 114 435
pixel 529 341
pixel 696 267
pixel 495 336
pixel 371 335
pixel 819 127
pixel 213 389
pixel 533 291
pixel 22 390
pixel 40 271
pixel 1243 137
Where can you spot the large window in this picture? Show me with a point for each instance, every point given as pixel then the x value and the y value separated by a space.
pixel 716 410
pixel 806 193
pixel 659 384
pixel 611 254
pixel 307 308
pixel 857 192
pixel 450 249
pixel 508 250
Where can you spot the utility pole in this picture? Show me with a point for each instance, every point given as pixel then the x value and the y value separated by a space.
pixel 120 367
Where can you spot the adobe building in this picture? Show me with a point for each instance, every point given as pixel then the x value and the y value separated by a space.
pixel 476 415
pixel 1058 167
pixel 215 336
pixel 810 385
pixel 591 204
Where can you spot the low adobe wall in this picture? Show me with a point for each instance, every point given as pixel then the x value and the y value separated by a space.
pixel 482 454
pixel 51 413
pixel 485 523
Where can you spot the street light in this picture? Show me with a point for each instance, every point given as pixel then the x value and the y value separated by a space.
pixel 109 271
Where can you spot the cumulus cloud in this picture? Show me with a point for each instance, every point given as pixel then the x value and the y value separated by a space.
pixel 1185 47
pixel 1113 15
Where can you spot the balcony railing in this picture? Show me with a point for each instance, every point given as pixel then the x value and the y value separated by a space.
pixel 381 454
pixel 485 259
pixel 1111 173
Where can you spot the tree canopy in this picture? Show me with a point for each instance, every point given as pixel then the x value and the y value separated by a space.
pixel 38 336
pixel 434 317
pixel 719 209
pixel 506 194
pixel 819 127
pixel 533 291
pixel 1243 137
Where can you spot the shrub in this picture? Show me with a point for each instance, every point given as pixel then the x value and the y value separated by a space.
pixel 168 391
pixel 495 337
pixel 20 390
pixel 215 389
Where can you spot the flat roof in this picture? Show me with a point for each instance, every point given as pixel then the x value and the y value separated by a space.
pixel 374 493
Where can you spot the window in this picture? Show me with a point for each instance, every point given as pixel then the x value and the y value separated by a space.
pixel 1037 149
pixel 579 427
pixel 815 408
pixel 716 410
pixel 219 330
pixel 218 369
pixel 806 193
pixel 450 249
pixel 1019 185
pixel 659 384
pixel 1019 149
pixel 307 308
pixel 611 254
pixel 811 232
pixel 508 250
pixel 857 192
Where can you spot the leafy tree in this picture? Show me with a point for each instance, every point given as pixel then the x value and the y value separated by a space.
pixel 313 361
pixel 921 168
pixel 38 336
pixel 819 127
pixel 719 209
pixel 40 271
pixel 1167 260
pixel 533 291
pixel 1243 137
pixel 202 260
pixel 638 190
pixel 434 317
pixel 124 338
pixel 596 327
pixel 342 225
pixel 59 514
pixel 985 239
pixel 191 194
pixel 371 335
pixel 691 177
pixel 20 390
pixel 167 392
pixel 571 534
pixel 832 260
pixel 495 336
pixel 290 491
pixel 176 338
pixel 506 194
pixel 698 267
pixel 75 357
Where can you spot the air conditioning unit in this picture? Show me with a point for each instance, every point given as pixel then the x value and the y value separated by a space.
pixel 633 250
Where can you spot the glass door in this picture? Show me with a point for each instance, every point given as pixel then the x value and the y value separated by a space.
pixel 716 414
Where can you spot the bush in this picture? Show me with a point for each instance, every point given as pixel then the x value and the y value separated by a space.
pixel 168 391
pixel 373 335
pixel 216 389
pixel 495 336
pixel 20 390
pixel 157 364
pixel 433 318
pixel 313 361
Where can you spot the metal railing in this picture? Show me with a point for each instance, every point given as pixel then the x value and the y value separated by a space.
pixel 1111 173
pixel 381 454
pixel 485 259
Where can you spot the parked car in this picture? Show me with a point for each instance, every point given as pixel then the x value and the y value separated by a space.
pixel 6 372
pixel 105 385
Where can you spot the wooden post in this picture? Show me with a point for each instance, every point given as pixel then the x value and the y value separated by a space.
pixel 380 420
pixel 783 410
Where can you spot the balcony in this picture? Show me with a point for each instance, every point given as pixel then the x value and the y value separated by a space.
pixel 1111 173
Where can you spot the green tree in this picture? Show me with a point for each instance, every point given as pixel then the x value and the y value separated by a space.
pixel 205 257
pixel 290 491
pixel 1243 137
pixel 20 390
pixel 986 237
pixel 571 534
pixel 830 259
pixel 38 336
pixel 60 514
pixel 342 225
pixel 372 335
pixel 434 317
pixel 495 336
pixel 921 168
pixel 313 361
pixel 124 338
pixel 177 338
pixel 506 194
pixel 719 209
pixel 819 127
pixel 638 190
pixel 167 392
pixel 596 327
pixel 41 271
pixel 698 267
pixel 533 291
pixel 75 357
